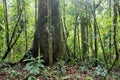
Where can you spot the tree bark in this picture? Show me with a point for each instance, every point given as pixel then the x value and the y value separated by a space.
pixel 115 28
pixel 45 33
pixel 84 25
pixel 6 22
pixel 95 34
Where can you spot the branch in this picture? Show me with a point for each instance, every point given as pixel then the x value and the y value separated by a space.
pixel 15 27
pixel 10 45
pixel 96 6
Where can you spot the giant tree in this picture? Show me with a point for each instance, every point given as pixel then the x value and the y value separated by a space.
pixel 48 36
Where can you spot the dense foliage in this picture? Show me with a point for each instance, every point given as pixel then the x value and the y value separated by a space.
pixel 91 36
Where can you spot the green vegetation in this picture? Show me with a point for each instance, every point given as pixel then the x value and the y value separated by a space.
pixel 77 39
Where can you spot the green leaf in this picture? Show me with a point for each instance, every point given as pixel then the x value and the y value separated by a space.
pixel 31 78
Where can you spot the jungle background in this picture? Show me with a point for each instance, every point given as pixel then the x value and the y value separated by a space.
pixel 59 39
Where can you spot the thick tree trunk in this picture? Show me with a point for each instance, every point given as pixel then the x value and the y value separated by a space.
pixel 41 36
pixel 57 34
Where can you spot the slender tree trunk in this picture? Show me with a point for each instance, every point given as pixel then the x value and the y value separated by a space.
pixel 87 29
pixel 91 40
pixel 115 28
pixel 95 34
pixel 78 31
pixel 11 43
pixel 65 33
pixel 110 39
pixel 84 25
pixel 75 36
pixel 101 43
pixel 115 35
pixel 26 33
pixel 6 22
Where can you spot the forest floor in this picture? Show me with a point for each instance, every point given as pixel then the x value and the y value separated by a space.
pixel 59 71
